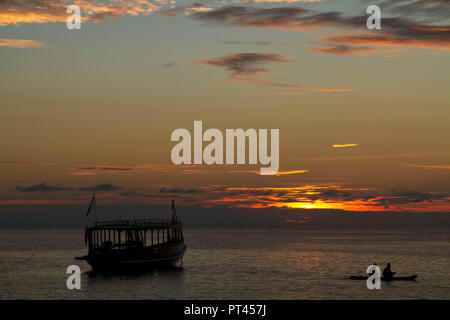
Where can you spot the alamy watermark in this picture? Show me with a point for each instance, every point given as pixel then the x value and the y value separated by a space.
pixel 213 153
pixel 374 20
pixel 74 280
pixel 374 279
pixel 74 20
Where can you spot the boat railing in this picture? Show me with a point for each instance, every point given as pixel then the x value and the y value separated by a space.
pixel 138 223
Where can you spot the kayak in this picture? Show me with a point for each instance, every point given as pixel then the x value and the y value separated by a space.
pixel 409 278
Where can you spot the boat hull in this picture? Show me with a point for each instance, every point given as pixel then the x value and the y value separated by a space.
pixel 137 261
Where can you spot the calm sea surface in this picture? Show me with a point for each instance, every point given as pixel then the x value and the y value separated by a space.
pixel 236 264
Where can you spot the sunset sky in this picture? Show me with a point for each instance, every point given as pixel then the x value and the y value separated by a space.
pixel 364 115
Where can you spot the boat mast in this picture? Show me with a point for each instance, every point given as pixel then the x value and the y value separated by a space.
pixel 174 213
pixel 92 206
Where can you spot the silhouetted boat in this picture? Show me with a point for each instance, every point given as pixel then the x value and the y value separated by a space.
pixel 134 244
pixel 409 278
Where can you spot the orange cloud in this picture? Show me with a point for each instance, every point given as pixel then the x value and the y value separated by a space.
pixel 27 164
pixel 396 31
pixel 345 49
pixel 345 145
pixel 384 39
pixel 279 173
pixel 291 172
pixel 428 167
pixel 20 43
pixel 51 11
pixel 245 63
pixel 86 169
pixel 149 167
pixel 272 84
pixel 246 67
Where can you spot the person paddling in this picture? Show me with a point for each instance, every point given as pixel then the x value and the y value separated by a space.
pixel 387 273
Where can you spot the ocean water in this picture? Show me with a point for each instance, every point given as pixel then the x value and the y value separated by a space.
pixel 237 264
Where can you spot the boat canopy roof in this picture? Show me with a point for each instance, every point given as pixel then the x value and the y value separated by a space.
pixel 138 224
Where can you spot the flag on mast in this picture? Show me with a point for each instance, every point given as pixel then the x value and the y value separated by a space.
pixel 91 205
